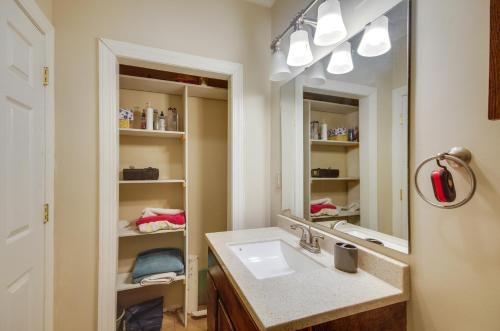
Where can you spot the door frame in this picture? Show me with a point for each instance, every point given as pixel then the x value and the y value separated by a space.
pixel 36 15
pixel 368 152
pixel 110 52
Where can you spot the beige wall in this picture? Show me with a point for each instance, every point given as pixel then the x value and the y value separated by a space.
pixel 229 30
pixel 455 258
pixel 455 253
pixel 46 7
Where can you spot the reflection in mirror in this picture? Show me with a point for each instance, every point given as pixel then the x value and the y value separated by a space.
pixel 345 142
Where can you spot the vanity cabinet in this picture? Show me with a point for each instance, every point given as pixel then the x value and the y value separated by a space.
pixel 226 311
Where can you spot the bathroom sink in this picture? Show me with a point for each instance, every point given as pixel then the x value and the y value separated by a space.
pixel 273 258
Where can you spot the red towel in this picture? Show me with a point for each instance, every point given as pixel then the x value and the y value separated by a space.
pixel 178 219
pixel 317 208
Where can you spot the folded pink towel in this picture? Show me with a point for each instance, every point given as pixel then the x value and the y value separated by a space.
pixel 317 208
pixel 178 219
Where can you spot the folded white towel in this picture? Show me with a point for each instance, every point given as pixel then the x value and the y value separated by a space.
pixel 159 225
pixel 160 211
pixel 164 278
pixel 321 201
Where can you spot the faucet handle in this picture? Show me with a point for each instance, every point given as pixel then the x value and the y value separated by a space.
pixel 315 240
pixel 303 237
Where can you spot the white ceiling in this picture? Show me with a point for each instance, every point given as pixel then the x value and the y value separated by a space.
pixel 265 3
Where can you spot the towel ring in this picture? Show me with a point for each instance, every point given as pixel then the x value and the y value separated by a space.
pixel 457 157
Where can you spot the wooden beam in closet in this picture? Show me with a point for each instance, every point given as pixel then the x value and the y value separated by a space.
pixel 171 76
pixel 331 99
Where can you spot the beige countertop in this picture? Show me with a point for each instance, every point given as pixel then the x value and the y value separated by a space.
pixel 308 298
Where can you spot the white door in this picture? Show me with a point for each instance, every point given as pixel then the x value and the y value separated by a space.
pixel 21 171
pixel 400 162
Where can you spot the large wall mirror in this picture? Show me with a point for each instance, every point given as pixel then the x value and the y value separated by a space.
pixel 344 133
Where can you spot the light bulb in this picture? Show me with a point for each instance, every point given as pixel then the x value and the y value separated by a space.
pixel 375 39
pixel 316 74
pixel 299 53
pixel 279 69
pixel 330 28
pixel 341 60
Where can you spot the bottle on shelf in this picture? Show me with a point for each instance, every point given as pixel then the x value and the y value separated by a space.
pixel 324 130
pixel 156 120
pixel 162 122
pixel 149 116
pixel 143 120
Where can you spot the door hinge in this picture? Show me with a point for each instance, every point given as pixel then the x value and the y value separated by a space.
pixel 401 195
pixel 45 76
pixel 46 213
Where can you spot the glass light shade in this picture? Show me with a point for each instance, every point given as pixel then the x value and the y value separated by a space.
pixel 375 39
pixel 341 60
pixel 299 53
pixel 279 69
pixel 316 74
pixel 330 28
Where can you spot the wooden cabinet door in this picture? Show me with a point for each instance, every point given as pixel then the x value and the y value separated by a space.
pixel 212 305
pixel 224 322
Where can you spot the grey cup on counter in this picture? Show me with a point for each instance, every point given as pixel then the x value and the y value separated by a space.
pixel 346 257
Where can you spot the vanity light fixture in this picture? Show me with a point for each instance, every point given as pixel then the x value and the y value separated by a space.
pixel 341 60
pixel 299 53
pixel 316 74
pixel 375 39
pixel 279 69
pixel 330 28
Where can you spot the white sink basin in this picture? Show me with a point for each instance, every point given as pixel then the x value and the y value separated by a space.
pixel 274 258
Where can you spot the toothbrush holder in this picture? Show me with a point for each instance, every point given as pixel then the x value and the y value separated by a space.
pixel 346 257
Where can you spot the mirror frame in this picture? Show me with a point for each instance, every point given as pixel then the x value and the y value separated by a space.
pixel 288 213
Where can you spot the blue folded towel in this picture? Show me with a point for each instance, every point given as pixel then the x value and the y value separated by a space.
pixel 157 261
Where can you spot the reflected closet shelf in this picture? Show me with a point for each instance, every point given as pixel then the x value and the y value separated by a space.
pixel 159 181
pixel 315 179
pixel 124 282
pixel 341 214
pixel 151 133
pixel 334 143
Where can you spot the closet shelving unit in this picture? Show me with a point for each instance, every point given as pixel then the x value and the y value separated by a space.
pixel 140 148
pixel 342 155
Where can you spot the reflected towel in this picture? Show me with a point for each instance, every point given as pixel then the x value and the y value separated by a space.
pixel 317 208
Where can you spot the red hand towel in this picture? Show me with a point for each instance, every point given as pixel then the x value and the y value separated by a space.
pixel 178 219
pixel 317 208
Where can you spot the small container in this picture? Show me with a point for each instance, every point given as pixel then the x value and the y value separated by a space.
pixel 346 257
pixel 162 122
pixel 315 130
pixel 324 130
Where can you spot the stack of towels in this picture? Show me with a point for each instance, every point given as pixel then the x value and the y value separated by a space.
pixel 155 219
pixel 323 207
pixel 158 266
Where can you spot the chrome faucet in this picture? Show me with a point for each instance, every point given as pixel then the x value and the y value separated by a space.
pixel 308 241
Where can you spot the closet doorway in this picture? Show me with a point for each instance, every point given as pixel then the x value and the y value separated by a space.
pixel 182 115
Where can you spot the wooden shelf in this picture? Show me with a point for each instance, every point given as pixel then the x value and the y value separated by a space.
pixel 159 181
pixel 170 87
pixel 124 282
pixel 125 230
pixel 334 143
pixel 151 133
pixel 314 179
pixel 329 107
